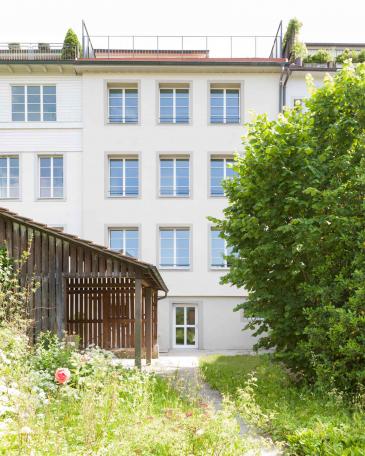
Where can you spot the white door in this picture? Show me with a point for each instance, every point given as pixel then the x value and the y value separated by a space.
pixel 185 326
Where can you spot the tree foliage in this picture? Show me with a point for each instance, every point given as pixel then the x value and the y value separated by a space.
pixel 296 222
pixel 71 45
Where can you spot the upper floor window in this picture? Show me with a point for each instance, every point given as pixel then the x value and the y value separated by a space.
pixel 9 177
pixel 123 105
pixel 224 105
pixel 174 176
pixel 51 177
pixel 218 250
pixel 123 177
pixel 124 240
pixel 174 105
pixel 175 248
pixel 220 169
pixel 34 103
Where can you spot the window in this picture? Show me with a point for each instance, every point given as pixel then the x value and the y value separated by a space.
pixel 34 103
pixel 51 177
pixel 123 177
pixel 125 240
pixel 174 248
pixel 9 177
pixel 220 168
pixel 174 177
pixel 123 105
pixel 218 250
pixel 186 325
pixel 174 105
pixel 224 105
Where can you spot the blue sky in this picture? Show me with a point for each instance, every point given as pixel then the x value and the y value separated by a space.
pixel 48 20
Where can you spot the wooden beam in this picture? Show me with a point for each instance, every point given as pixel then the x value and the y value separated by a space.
pixel 148 338
pixel 138 324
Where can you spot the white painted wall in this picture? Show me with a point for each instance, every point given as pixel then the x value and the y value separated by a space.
pixel 297 85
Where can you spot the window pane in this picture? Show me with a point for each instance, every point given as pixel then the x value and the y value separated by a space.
pixel 179 340
pixel 217 250
pixel 216 176
pixel 116 239
pixel 190 336
pixel 131 174
pixel 190 315
pixel 131 241
pixel 18 103
pixel 179 315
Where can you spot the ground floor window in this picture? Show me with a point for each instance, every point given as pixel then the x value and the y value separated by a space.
pixel 185 326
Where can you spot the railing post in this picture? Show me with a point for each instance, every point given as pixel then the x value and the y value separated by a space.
pixel 231 45
pixel 133 46
pixel 157 45
pixel 108 47
pixel 255 46
pixel 182 47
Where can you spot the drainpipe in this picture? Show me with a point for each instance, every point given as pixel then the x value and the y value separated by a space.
pixel 285 71
pixel 162 297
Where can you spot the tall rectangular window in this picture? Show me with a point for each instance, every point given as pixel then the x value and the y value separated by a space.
pixel 34 103
pixel 224 105
pixel 174 177
pixel 125 240
pixel 174 248
pixel 174 105
pixel 123 105
pixel 220 169
pixel 123 177
pixel 218 250
pixel 51 177
pixel 9 177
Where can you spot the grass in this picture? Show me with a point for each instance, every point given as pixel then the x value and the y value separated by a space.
pixel 104 410
pixel 309 421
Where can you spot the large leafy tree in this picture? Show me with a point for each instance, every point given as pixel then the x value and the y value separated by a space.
pixel 296 222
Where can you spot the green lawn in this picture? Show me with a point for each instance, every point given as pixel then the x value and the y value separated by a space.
pixel 310 422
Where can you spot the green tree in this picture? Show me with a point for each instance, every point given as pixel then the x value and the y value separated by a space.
pixel 296 222
pixel 71 45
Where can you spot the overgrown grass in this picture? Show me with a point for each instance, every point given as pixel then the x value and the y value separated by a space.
pixel 103 410
pixel 310 421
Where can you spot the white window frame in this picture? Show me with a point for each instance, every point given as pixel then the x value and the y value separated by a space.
pixel 26 102
pixel 225 105
pixel 174 105
pixel 123 159
pixel 225 253
pixel 225 159
pixel 175 229
pixel 8 157
pixel 124 230
pixel 124 122
pixel 51 177
pixel 174 194
pixel 185 326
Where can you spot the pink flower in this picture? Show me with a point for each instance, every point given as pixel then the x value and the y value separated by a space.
pixel 62 375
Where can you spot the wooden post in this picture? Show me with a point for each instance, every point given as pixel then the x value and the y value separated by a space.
pixel 106 319
pixel 148 337
pixel 138 323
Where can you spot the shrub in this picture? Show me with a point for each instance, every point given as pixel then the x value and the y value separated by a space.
pixel 71 45
pixel 321 56
pixel 347 55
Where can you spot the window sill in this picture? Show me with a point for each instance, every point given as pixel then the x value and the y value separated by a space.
pixel 117 197
pixel 218 268
pixel 167 268
pixel 174 196
pixel 51 199
pixel 10 198
pixel 124 124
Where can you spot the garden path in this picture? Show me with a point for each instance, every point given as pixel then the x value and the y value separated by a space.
pixel 183 368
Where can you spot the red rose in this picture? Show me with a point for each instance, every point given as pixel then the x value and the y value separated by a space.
pixel 62 375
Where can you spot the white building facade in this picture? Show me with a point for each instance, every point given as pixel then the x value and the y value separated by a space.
pixel 130 152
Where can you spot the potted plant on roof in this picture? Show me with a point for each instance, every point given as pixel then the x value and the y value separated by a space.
pixel 321 59
pixel 299 52
pixel 347 54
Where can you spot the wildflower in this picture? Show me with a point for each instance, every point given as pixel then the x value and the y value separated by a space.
pixel 62 375
pixel 25 430
pixel 199 432
pixel 188 414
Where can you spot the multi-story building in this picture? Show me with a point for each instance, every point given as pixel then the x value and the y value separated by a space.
pixel 127 145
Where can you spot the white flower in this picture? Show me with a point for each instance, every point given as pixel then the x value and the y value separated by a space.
pixel 26 430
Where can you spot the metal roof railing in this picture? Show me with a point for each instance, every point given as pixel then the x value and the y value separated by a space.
pixel 37 51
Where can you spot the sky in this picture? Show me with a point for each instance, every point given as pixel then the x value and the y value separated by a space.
pixel 48 20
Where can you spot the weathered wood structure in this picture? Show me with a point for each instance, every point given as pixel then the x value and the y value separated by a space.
pixel 106 298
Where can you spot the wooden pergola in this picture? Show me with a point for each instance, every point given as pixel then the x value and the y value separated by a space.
pixel 106 298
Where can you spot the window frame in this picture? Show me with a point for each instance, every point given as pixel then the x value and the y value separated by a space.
pixel 174 229
pixel 177 86
pixel 123 87
pixel 8 157
pixel 225 86
pixel 122 157
pixel 41 103
pixel 54 198
pixel 185 326
pixel 174 158
pixel 124 229
pixel 215 156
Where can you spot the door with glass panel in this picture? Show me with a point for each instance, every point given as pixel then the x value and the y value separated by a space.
pixel 185 326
